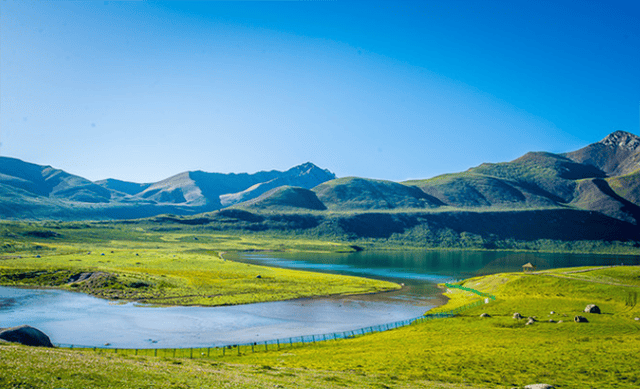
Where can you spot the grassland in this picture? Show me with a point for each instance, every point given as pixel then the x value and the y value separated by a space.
pixel 465 351
pixel 162 267
pixel 500 351
pixel 462 352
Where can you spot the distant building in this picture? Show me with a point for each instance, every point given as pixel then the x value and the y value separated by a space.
pixel 528 267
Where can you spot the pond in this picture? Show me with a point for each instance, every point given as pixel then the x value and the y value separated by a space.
pixel 74 318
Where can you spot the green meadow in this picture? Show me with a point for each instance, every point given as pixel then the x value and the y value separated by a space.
pixel 466 351
pixel 163 268
pixel 500 351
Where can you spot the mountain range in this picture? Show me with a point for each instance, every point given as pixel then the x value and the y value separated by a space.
pixel 603 177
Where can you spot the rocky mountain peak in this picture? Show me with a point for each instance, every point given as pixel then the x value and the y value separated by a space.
pixel 623 140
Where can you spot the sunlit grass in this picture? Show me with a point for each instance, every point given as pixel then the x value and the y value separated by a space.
pixel 500 351
pixel 167 268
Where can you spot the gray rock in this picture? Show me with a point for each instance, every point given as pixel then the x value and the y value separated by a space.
pixel 485 315
pixel 552 313
pixel 551 321
pixel 531 321
pixel 532 318
pixel 592 308
pixel 26 335
pixel 539 386
pixel 560 321
pixel 580 319
pixel 517 316
pixel 637 319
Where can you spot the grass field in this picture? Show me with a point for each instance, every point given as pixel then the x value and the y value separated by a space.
pixel 164 268
pixel 500 351
pixel 463 352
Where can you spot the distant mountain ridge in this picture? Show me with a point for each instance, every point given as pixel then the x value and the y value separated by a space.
pixel 33 191
pixel 603 177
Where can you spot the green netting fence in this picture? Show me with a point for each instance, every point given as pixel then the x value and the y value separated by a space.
pixel 282 343
pixel 482 294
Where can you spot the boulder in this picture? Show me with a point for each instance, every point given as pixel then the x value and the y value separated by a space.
pixel 580 319
pixel 485 315
pixel 26 335
pixel 531 321
pixel 592 308
pixel 539 386
pixel 517 316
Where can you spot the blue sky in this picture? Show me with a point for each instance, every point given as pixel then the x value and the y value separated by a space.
pixel 141 90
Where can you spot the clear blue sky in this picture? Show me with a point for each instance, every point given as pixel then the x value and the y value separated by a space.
pixel 141 90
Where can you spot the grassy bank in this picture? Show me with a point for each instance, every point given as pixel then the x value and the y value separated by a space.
pixel 500 351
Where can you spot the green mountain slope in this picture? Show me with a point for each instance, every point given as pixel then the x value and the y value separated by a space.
pixel 46 181
pixel 627 187
pixel 286 197
pixel 351 193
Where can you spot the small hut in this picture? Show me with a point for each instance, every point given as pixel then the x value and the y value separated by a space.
pixel 528 267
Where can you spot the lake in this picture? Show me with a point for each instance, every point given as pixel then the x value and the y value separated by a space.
pixel 74 318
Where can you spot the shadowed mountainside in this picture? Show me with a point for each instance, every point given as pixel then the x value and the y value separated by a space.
pixel 352 193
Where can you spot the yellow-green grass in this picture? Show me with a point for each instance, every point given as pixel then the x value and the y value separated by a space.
pixel 500 351
pixel 167 268
pixel 30 368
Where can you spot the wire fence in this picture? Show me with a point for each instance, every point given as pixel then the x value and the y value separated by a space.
pixel 282 343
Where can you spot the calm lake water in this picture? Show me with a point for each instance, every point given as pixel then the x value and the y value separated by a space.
pixel 73 318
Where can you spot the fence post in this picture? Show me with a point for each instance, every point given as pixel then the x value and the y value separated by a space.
pixel 191 353
pixel 238 350
pixel 155 352
pixel 208 351
pixel 278 343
